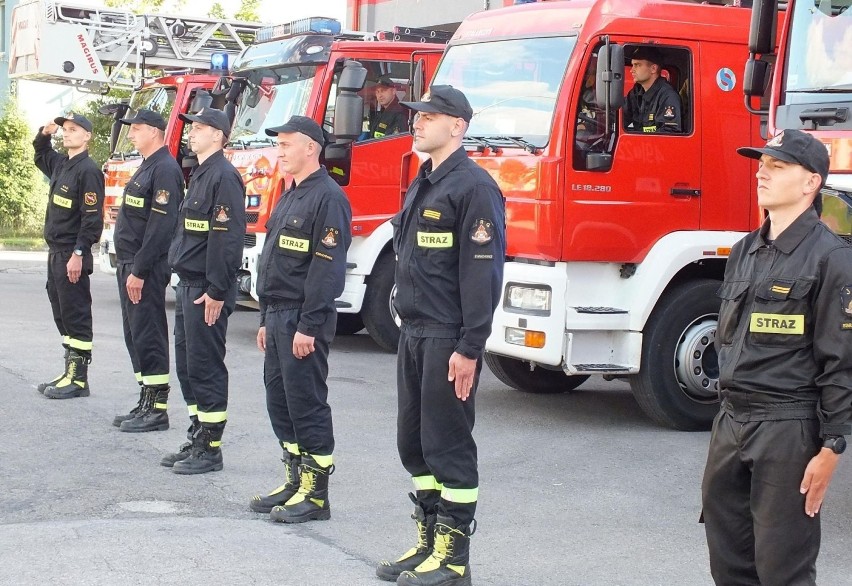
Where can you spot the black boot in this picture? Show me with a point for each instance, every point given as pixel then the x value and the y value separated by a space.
pixel 42 386
pixel 449 563
pixel 75 383
pixel 133 412
pixel 154 415
pixel 310 503
pixel 279 496
pixel 206 453
pixel 415 556
pixel 185 449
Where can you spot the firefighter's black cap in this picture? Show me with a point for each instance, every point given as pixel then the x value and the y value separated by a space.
pixel 385 81
pixel 145 116
pixel 649 54
pixel 211 117
pixel 303 124
pixel 77 119
pixel 794 146
pixel 443 99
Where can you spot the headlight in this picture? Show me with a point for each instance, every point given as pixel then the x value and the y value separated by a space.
pixel 528 299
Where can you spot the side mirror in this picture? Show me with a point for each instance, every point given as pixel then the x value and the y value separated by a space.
pixel 223 85
pixel 761 36
pixel 202 99
pixel 609 88
pixel 352 78
pixel 417 80
pixel 117 110
pixel 598 161
pixel 756 77
pixel 348 115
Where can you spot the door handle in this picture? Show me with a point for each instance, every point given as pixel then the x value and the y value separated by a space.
pixel 685 192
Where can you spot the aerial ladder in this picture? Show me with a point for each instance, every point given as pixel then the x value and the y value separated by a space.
pixel 95 48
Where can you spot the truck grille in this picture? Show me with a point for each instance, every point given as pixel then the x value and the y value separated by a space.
pixel 250 240
pixel 252 217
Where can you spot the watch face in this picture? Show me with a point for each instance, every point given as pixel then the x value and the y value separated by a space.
pixel 839 445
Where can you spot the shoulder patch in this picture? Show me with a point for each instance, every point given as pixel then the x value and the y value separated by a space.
pixel 90 198
pixel 222 214
pixel 669 113
pixel 846 299
pixel 330 238
pixel 162 197
pixel 482 232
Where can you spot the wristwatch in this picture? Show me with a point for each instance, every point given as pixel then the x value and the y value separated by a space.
pixel 78 251
pixel 835 443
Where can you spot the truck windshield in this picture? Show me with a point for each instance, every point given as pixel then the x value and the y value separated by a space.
pixel 819 55
pixel 512 85
pixel 269 98
pixel 160 99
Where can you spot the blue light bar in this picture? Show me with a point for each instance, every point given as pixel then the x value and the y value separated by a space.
pixel 219 62
pixel 315 24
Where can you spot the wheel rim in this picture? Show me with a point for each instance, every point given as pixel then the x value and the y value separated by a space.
pixel 392 309
pixel 696 361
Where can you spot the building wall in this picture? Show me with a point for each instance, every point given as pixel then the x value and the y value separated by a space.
pixel 5 39
pixel 373 15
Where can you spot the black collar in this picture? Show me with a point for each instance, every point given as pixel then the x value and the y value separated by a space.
pixel 792 236
pixel 451 163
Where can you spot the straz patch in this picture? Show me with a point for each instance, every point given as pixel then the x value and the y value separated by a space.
pixel 136 202
pixel 196 225
pixel 777 323
pixel 62 202
pixel 331 236
pixel 669 112
pixel 482 232
pixel 846 299
pixel 435 239
pixel 90 198
pixel 297 244
pixel 162 197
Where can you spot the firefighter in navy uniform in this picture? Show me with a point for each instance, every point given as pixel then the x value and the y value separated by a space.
pixel 652 105
pixel 206 252
pixel 72 225
pixel 392 118
pixel 785 329
pixel 450 245
pixel 300 273
pixel 143 232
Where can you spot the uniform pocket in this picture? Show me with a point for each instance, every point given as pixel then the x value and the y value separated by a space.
pixel 294 238
pixel 196 221
pixel 733 296
pixel 435 230
pixel 781 313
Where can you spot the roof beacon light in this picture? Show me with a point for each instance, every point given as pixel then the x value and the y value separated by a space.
pixel 315 24
pixel 219 62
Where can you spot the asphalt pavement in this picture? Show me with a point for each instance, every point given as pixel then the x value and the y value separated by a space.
pixel 576 489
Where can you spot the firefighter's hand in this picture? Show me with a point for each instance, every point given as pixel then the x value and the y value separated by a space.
pixel 50 128
pixel 261 339
pixel 212 308
pixel 74 268
pixel 302 345
pixel 134 288
pixel 462 371
pixel 817 478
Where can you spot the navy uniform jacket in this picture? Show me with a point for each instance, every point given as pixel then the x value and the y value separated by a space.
pixel 74 215
pixel 655 110
pixel 785 325
pixel 303 263
pixel 149 211
pixel 450 240
pixel 208 243
pixel 390 120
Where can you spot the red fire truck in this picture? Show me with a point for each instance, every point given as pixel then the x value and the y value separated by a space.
pixel 811 88
pixel 617 240
pixel 297 68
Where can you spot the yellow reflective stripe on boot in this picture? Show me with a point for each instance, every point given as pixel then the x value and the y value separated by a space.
pixel 291 447
pixel 323 461
pixel 193 410
pixel 212 416
pixel 65 340
pixel 138 376
pixel 162 406
pixel 442 550
pixel 307 479
pixel 215 443
pixel 426 483
pixel 462 496
pixel 79 344
pixel 153 380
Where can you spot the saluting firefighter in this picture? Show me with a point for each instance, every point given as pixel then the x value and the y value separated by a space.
pixel 72 225
pixel 206 252
pixel 301 272
pixel 450 244
pixel 784 338
pixel 143 232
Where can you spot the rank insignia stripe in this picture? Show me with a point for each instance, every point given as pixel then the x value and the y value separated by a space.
pixel 846 325
pixel 90 198
pixel 432 214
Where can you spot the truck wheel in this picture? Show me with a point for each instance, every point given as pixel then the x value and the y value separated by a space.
pixel 678 383
pixel 348 324
pixel 517 374
pixel 378 312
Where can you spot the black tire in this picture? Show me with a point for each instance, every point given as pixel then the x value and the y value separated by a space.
pixel 517 374
pixel 678 382
pixel 377 312
pixel 348 324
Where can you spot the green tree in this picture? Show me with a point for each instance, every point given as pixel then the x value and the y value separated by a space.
pixel 23 194
pixel 148 6
pixel 216 11
pixel 248 11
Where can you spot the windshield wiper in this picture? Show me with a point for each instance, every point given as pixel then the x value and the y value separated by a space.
pixel 252 142
pixel 518 141
pixel 125 156
pixel 479 140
